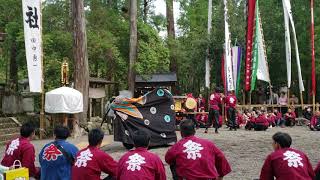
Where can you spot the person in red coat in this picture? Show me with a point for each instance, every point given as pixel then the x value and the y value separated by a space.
pixel 261 122
pixel 21 149
pixel 315 122
pixel 278 118
pixel 214 102
pixel 272 119
pixel 290 118
pixel 91 161
pixel 286 163
pixel 194 158
pixel 231 102
pixel 201 103
pixel 202 119
pixel 140 164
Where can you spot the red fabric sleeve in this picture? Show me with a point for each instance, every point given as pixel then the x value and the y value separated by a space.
pixel 221 163
pixel 310 170
pixel 266 171
pixel 108 164
pixel 317 170
pixel 313 121
pixel 28 159
pixel 170 155
pixel 161 172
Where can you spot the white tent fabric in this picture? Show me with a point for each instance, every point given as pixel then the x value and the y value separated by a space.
pixel 64 100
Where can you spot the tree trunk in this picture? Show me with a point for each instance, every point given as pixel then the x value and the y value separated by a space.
pixel 171 35
pixel 81 69
pixel 133 44
pixel 145 10
pixel 13 67
pixel 171 41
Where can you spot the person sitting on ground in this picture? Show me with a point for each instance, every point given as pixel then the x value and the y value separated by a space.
pixel 196 158
pixel 261 122
pixel 315 122
pixel 57 157
pixel 307 113
pixel 271 119
pixel 252 120
pixel 290 118
pixel 202 119
pixel 91 161
pixel 140 163
pixel 21 149
pixel 240 120
pixel 278 118
pixel 285 162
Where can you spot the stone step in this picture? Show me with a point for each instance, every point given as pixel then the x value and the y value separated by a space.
pixel 8 125
pixel 7 137
pixel 9 130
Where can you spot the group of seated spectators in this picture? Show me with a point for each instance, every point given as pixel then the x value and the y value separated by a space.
pixel 191 158
pixel 260 119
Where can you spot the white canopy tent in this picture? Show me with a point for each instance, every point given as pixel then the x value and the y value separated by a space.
pixel 64 100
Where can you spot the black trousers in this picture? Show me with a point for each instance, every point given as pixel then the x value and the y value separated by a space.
pixel 192 117
pixel 213 114
pixel 232 117
pixel 260 127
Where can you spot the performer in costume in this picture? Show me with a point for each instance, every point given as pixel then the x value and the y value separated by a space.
pixel 21 149
pixel 59 154
pixel 196 158
pixel 215 101
pixel 285 162
pixel 140 164
pixel 202 119
pixel 91 161
pixel 231 102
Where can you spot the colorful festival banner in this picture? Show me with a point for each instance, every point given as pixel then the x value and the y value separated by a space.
pixel 228 63
pixel 313 68
pixel 287 9
pixel 236 60
pixel 31 10
pixel 287 44
pixel 248 56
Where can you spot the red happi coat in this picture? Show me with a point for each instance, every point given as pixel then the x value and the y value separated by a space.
pixel 203 118
pixel 231 101
pixel 287 164
pixel 314 121
pixel 262 120
pixel 140 164
pixel 215 100
pixel 21 149
pixel 290 116
pixel 197 159
pixel 90 162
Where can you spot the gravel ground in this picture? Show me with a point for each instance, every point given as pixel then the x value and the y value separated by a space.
pixel 245 150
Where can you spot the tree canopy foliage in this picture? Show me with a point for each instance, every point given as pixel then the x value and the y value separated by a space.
pixel 108 40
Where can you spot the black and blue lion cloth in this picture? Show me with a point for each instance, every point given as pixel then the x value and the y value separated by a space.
pixel 153 112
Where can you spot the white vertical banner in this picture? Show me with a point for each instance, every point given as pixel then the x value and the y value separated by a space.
pixel 31 10
pixel 235 54
pixel 287 43
pixel 263 70
pixel 208 68
pixel 287 6
pixel 229 74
